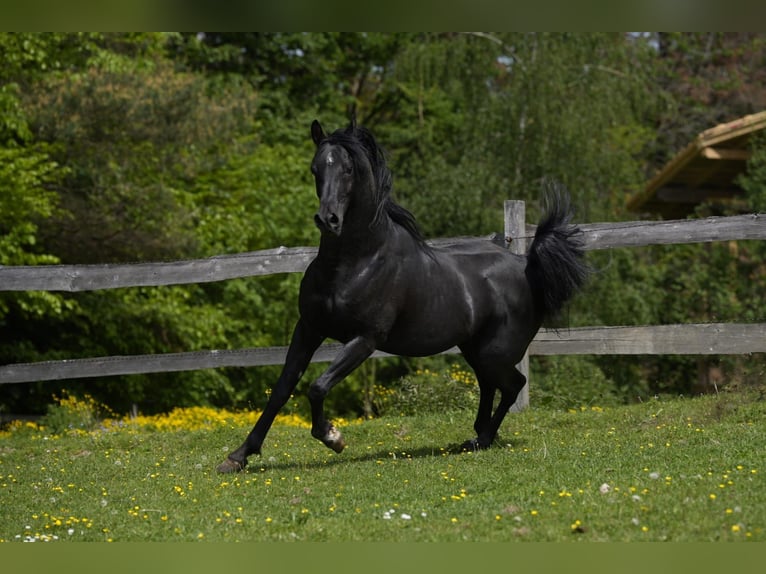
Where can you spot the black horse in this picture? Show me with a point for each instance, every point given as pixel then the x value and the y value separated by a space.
pixel 376 284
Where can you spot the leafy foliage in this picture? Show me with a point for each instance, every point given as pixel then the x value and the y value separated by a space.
pixel 425 391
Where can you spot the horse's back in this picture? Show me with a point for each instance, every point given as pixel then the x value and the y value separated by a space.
pixel 455 293
pixel 484 260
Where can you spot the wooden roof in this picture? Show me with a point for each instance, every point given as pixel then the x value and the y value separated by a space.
pixel 703 172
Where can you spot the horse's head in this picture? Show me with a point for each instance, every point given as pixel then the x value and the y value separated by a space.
pixel 333 169
pixel 344 178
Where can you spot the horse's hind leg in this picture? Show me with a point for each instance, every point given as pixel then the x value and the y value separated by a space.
pixel 486 400
pixel 510 387
pixel 493 373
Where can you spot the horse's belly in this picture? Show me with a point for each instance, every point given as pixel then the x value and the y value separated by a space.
pixel 422 334
pixel 415 349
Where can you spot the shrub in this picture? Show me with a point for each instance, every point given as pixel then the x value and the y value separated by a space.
pixel 70 413
pixel 567 382
pixel 427 391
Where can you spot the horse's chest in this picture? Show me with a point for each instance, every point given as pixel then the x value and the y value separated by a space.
pixel 350 300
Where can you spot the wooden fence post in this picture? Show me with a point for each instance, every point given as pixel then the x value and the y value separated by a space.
pixel 515 235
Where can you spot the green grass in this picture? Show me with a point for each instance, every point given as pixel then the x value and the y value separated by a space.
pixel 677 470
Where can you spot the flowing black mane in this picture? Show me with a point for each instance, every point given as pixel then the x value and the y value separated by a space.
pixel 357 140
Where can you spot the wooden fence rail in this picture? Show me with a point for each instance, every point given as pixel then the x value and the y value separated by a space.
pixel 295 260
pixel 698 339
pixel 691 339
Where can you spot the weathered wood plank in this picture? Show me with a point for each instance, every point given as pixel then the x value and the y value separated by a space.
pixel 111 276
pixel 692 339
pixel 159 363
pixel 642 233
pixel 514 224
pixel 672 232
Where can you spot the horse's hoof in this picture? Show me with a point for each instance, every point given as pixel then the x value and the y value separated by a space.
pixel 338 445
pixel 230 466
pixel 334 440
pixel 473 445
pixel 469 445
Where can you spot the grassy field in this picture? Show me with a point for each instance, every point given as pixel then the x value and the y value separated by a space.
pixel 676 470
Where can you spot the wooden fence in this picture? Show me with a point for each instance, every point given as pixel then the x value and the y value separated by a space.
pixel 692 339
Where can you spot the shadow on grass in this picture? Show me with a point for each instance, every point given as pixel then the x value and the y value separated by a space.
pixel 259 464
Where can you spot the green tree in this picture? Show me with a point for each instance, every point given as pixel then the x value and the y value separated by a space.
pixel 134 135
pixel 482 118
pixel 27 174
pixel 706 78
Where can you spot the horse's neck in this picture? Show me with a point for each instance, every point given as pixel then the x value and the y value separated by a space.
pixel 357 243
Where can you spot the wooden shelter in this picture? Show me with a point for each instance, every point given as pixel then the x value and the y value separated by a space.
pixel 705 171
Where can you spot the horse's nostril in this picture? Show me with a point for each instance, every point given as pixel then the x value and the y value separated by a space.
pixel 327 222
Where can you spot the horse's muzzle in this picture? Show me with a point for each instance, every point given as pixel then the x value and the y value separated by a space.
pixel 330 222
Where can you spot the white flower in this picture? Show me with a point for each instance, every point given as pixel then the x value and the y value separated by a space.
pixel 604 488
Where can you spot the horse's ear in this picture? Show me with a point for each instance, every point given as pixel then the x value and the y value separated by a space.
pixel 317 133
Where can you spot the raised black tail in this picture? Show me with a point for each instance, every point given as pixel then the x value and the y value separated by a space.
pixel 555 263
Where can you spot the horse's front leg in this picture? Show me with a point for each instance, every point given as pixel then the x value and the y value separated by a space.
pixel 349 358
pixel 302 347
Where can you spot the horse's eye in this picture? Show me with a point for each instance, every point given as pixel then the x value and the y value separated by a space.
pixel 348 170
pixel 313 170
